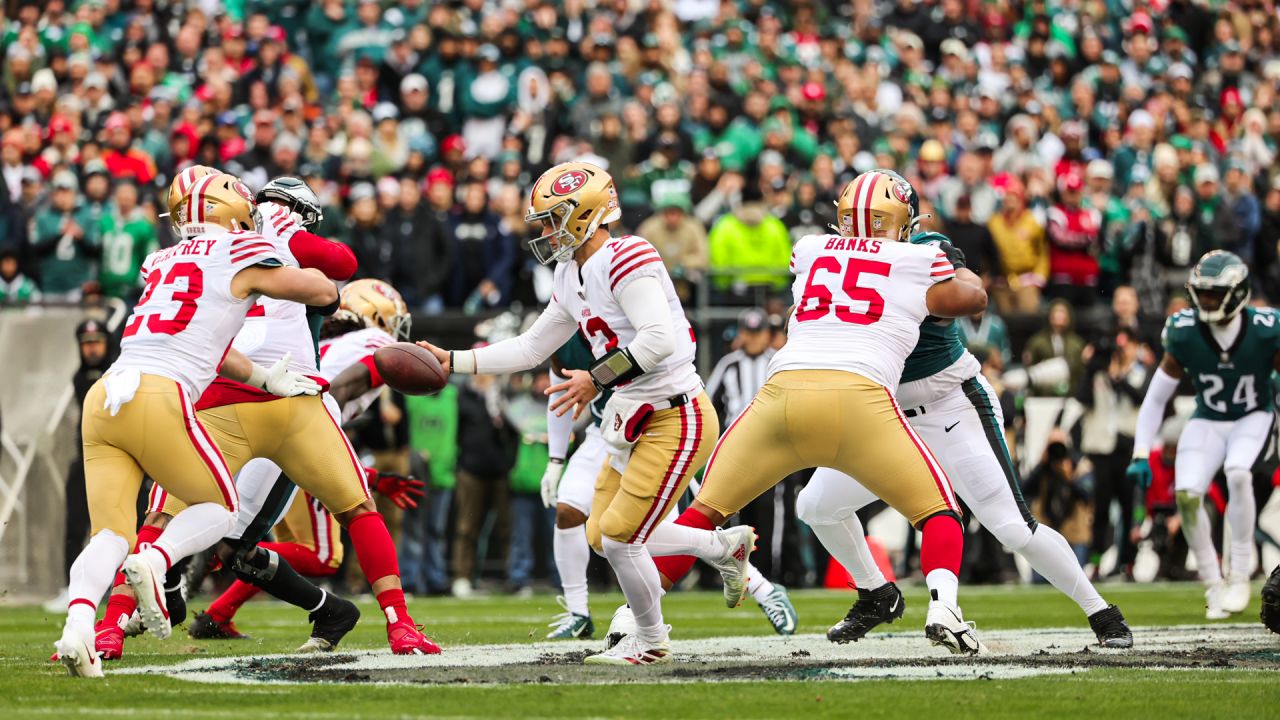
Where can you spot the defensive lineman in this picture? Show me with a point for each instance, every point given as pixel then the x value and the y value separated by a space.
pixel 659 422
pixel 140 416
pixel 1228 350
pixel 957 414
pixel 860 298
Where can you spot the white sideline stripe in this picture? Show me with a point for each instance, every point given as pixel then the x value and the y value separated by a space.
pixel 895 646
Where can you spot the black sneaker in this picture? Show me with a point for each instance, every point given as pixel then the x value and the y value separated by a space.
pixel 330 624
pixel 1271 601
pixel 204 627
pixel 882 605
pixel 175 599
pixel 1112 631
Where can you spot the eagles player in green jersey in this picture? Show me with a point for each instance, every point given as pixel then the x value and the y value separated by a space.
pixel 569 487
pixel 1228 351
pixel 956 412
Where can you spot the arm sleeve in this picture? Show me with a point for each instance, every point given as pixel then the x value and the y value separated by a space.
pixel 559 427
pixel 333 259
pixel 1162 387
pixel 646 306
pixel 552 329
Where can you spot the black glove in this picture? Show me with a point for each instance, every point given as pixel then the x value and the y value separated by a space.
pixel 953 253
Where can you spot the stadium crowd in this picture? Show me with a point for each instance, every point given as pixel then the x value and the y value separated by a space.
pixel 1082 153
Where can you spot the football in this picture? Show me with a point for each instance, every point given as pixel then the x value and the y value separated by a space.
pixel 410 369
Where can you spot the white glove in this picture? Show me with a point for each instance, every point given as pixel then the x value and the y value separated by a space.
pixel 551 481
pixel 121 386
pixel 280 381
pixel 291 225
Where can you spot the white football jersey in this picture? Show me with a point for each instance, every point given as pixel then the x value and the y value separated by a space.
pixel 275 327
pixel 187 316
pixel 859 305
pixel 589 293
pixel 339 353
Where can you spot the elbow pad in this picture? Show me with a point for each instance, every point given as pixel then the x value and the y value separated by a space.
pixel 615 368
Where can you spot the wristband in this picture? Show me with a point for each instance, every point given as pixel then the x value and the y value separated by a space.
pixel 258 377
pixel 462 362
pixel 615 368
pixel 556 461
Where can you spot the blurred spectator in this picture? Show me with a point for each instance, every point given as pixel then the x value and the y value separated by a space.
pixel 1075 239
pixel 485 457
pixel 1114 382
pixel 1266 267
pixel 365 234
pixel 680 239
pixel 15 288
pixel 974 240
pixel 1244 207
pixel 1216 219
pixel 986 330
pixel 530 521
pixel 433 444
pixel 969 181
pixel 128 235
pixel 1057 342
pixel 749 248
pixel 122 159
pixel 66 241
pixel 484 254
pixel 1057 500
pixel 422 254
pixel 1024 254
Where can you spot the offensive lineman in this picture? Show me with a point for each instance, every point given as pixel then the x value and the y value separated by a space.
pixel 861 296
pixel 1228 350
pixel 140 416
pixel 659 422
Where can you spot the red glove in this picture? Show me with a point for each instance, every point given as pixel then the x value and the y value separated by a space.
pixel 402 490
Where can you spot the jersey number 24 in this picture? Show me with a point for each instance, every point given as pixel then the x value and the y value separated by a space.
pixel 819 295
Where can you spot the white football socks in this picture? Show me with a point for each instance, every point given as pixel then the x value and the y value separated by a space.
pixel 757 584
pixel 192 530
pixel 847 543
pixel 1052 557
pixel 641 584
pixel 944 585
pixel 673 539
pixel 572 556
pixel 92 575
pixel 1242 513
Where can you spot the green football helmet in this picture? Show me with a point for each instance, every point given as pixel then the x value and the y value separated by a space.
pixel 294 194
pixel 1219 286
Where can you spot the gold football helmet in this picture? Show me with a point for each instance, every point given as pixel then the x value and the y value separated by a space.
pixel 574 198
pixel 180 188
pixel 375 303
pixel 875 204
pixel 220 201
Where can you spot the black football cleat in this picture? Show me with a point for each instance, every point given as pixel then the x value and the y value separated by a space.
pixel 882 605
pixel 1271 601
pixel 330 624
pixel 1112 631
pixel 204 627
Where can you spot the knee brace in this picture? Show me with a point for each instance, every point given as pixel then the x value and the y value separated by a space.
pixel 255 565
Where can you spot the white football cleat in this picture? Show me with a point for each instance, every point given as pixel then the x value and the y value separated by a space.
pixel 739 542
pixel 622 625
pixel 634 651
pixel 148 588
pixel 1236 597
pixel 944 625
pixel 76 651
pixel 133 627
pixel 1214 601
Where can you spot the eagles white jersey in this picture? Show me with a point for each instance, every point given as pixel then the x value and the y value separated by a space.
pixel 339 353
pixel 275 327
pixel 859 305
pixel 187 316
pixel 589 294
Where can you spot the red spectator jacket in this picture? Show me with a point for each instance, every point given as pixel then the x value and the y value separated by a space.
pixel 133 163
pixel 1074 239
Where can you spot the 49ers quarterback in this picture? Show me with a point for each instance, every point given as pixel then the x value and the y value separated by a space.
pixel 139 418
pixel 860 298
pixel 658 424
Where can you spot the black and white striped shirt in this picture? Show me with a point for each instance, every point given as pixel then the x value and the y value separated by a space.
pixel 735 381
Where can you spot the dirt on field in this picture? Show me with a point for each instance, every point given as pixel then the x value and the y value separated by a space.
pixel 810 657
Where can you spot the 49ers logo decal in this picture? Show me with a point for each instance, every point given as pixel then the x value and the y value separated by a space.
pixel 902 192
pixel 568 183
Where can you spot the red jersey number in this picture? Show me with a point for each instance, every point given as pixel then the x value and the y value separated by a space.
pixel 186 310
pixel 819 300
pixel 597 326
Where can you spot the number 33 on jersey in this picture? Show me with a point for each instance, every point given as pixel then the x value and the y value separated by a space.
pixel 1229 382
pixel 859 304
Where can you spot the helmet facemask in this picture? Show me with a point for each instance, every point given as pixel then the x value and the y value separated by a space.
pixel 559 244
pixel 1231 297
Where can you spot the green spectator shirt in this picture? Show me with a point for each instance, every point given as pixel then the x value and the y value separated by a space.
pixel 126 242
pixel 433 433
pixel 69 265
pixel 1232 383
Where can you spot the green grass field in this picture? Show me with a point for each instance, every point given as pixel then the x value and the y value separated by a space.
pixel 32 687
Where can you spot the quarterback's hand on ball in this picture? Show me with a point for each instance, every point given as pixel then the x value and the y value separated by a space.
pixel 403 491
pixel 441 355
pixel 551 481
pixel 579 390
pixel 1139 471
